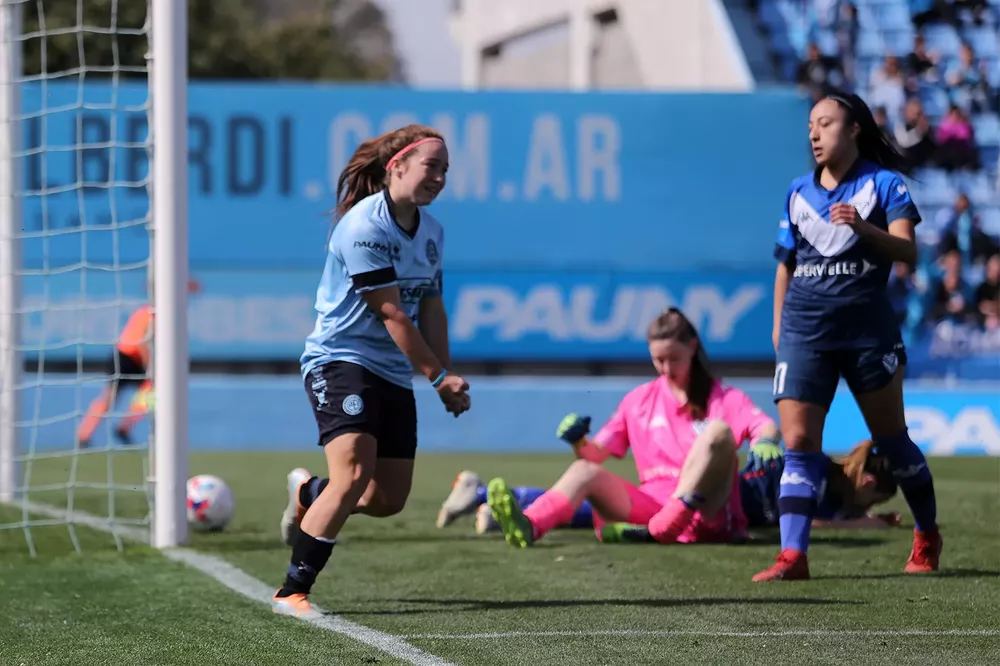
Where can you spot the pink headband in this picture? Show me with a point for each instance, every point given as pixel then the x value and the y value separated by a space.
pixel 410 147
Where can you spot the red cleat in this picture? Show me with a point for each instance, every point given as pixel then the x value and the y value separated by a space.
pixel 791 565
pixel 926 552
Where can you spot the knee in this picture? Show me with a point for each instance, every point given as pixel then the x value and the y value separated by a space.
pixel 718 438
pixel 800 440
pixel 582 471
pixel 378 503
pixel 352 467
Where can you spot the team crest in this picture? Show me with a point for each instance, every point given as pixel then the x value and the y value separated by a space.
pixel 353 405
pixel 432 252
pixel 890 362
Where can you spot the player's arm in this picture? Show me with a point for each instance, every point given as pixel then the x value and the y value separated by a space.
pixel 574 430
pixel 433 325
pixel 784 252
pixel 896 244
pixel 385 303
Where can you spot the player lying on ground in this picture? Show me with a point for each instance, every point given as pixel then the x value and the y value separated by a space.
pixel 845 225
pixel 856 483
pixel 684 428
pixel 380 316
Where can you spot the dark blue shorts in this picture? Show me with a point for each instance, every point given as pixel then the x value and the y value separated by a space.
pixel 812 375
pixel 759 493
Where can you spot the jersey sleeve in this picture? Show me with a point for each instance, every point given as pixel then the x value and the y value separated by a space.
pixel 745 419
pixel 894 197
pixel 613 435
pixel 784 247
pixel 365 250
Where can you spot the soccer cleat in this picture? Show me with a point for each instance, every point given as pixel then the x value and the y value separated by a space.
pixel 462 499
pixel 926 552
pixel 517 529
pixel 626 533
pixel 296 605
pixel 484 520
pixel 791 565
pixel 294 511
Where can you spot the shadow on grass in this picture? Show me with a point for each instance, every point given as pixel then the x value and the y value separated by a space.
pixel 460 605
pixel 947 573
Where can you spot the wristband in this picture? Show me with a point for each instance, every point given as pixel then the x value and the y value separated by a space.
pixel 439 379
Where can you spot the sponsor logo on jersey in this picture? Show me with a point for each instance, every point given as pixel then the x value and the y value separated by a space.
pixel 834 268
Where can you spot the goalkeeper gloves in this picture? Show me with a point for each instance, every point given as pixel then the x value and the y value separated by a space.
pixel 573 428
pixel 765 453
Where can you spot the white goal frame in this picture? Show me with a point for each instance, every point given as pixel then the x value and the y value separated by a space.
pixel 168 227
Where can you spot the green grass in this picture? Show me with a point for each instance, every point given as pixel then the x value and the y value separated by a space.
pixel 402 576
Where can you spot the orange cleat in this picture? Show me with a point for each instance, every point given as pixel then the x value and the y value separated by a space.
pixel 296 605
pixel 926 552
pixel 791 565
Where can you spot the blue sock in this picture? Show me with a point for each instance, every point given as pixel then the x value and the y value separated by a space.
pixel 801 483
pixel 913 476
pixel 584 516
pixel 311 489
pixel 481 495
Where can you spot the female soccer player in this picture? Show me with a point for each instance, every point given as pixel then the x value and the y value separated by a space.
pixel 856 483
pixel 844 226
pixel 127 367
pixel 684 428
pixel 380 316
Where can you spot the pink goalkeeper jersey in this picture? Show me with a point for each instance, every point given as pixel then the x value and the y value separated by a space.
pixel 660 432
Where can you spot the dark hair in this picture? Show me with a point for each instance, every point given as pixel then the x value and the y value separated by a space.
pixel 365 173
pixel 845 475
pixel 873 144
pixel 673 325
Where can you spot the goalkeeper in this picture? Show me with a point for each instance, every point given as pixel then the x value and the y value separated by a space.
pixel 127 367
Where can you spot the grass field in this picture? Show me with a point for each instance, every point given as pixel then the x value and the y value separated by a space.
pixel 471 600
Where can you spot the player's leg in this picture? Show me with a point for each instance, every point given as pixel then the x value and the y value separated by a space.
pixel 613 497
pixel 467 493
pixel 705 483
pixel 133 376
pixel 104 402
pixel 347 412
pixel 389 488
pixel 583 517
pixel 875 377
pixel 805 381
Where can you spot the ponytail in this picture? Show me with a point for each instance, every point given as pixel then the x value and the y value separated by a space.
pixel 365 173
pixel 873 144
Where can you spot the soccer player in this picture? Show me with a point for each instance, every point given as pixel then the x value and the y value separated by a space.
pixel 684 428
pixel 845 224
pixel 127 368
pixel 380 316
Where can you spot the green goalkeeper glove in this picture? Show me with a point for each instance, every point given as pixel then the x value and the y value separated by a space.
pixel 765 453
pixel 573 428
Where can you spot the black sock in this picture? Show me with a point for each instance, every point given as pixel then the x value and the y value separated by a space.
pixel 309 556
pixel 311 489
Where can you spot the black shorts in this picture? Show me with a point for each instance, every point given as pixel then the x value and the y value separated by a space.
pixel 125 371
pixel 348 398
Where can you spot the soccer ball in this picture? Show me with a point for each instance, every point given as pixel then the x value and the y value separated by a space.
pixel 209 503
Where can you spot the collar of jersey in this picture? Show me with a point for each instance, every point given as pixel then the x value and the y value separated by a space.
pixel 388 203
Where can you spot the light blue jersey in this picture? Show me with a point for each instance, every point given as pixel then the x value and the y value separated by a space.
pixel 369 251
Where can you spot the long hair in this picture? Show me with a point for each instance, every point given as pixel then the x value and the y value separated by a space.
pixel 873 144
pixel 365 173
pixel 673 325
pixel 845 475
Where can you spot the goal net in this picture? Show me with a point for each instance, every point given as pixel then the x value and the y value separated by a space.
pixel 79 229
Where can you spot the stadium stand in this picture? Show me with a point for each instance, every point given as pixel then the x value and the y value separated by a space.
pixel 931 71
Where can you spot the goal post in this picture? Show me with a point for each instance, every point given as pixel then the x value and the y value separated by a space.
pixel 93 223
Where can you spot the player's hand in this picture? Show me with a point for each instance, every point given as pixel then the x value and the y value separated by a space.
pixel 573 428
pixel 764 454
pixel 453 393
pixel 845 213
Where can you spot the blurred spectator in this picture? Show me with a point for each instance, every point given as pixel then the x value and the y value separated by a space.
pixel 925 12
pixel 819 73
pixel 961 234
pixel 886 88
pixel 956 143
pixel 951 302
pixel 846 31
pixel 900 287
pixel 914 135
pixel 968 80
pixel 987 297
pixel 921 65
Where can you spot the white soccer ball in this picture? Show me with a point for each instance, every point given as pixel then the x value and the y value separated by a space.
pixel 209 503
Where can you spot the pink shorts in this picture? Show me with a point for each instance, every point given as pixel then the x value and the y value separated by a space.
pixel 647 502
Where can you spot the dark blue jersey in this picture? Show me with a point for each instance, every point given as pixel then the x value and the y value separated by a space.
pixel 759 497
pixel 838 296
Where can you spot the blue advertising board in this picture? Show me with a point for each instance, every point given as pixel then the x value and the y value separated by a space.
pixel 538 181
pixel 247 315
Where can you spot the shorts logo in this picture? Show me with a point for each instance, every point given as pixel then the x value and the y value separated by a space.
pixel 890 362
pixel 432 252
pixel 353 405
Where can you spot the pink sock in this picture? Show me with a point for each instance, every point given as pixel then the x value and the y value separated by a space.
pixel 549 511
pixel 671 521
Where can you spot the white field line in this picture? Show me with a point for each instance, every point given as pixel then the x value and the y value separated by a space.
pixel 243 583
pixel 833 633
